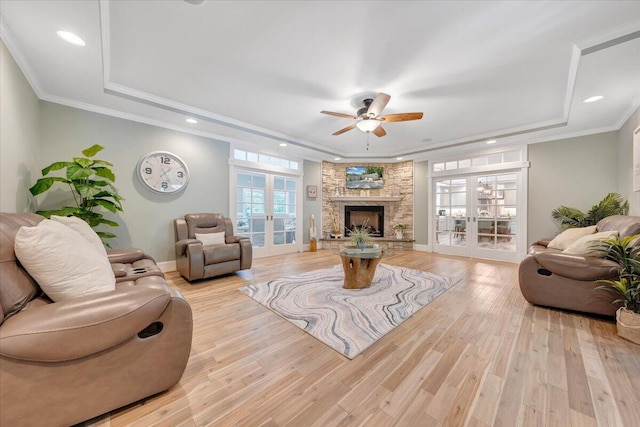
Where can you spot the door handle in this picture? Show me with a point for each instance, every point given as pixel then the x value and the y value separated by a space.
pixel 474 219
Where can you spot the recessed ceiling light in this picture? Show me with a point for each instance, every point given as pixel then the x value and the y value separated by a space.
pixel 282 144
pixel 336 158
pixel 192 121
pixel 398 158
pixel 491 141
pixel 71 38
pixel 592 99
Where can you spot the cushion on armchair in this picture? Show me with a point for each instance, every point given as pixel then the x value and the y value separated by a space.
pixel 209 239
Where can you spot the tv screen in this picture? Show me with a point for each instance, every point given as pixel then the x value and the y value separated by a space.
pixel 364 177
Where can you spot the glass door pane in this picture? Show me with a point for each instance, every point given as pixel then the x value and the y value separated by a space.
pixel 496 206
pixel 284 210
pixel 451 212
pixel 251 207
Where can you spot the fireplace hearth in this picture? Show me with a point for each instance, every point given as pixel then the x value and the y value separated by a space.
pixel 370 218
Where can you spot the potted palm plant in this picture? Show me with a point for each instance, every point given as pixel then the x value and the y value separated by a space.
pixel 612 204
pixel 626 253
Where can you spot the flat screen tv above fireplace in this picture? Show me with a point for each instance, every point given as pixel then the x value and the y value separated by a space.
pixel 365 177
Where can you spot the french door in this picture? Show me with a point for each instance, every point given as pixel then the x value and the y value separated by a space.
pixel 267 210
pixel 477 216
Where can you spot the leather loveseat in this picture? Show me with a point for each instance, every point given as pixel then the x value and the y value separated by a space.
pixel 551 278
pixel 65 362
pixel 197 260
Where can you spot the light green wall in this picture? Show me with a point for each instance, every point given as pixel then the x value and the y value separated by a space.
pixel 625 162
pixel 312 176
pixel 420 203
pixel 19 136
pixel 147 220
pixel 576 172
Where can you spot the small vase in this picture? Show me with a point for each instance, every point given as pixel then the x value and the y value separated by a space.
pixel 399 234
pixel 360 245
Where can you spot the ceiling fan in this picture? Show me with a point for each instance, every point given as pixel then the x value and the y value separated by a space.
pixel 368 118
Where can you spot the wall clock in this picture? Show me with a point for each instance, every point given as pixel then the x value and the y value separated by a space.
pixel 163 172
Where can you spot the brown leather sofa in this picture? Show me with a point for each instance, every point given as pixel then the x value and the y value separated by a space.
pixel 196 261
pixel 65 362
pixel 553 279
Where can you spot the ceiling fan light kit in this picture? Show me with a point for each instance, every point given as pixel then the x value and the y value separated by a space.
pixel 367 125
pixel 368 118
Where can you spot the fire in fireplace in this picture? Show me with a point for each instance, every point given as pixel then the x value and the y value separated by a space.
pixel 370 218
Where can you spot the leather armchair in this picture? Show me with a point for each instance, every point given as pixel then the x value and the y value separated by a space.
pixel 551 278
pixel 196 261
pixel 65 362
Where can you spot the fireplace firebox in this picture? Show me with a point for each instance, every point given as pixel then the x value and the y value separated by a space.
pixel 370 218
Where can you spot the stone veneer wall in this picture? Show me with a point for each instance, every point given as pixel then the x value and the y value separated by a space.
pixel 398 181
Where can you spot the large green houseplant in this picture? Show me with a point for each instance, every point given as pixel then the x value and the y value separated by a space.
pixel 612 204
pixel 626 253
pixel 91 184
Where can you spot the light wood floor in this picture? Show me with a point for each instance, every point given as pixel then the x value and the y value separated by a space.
pixel 479 355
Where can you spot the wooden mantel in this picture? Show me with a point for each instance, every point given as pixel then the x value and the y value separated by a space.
pixel 365 198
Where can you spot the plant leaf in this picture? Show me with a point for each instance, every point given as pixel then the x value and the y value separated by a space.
pixel 86 191
pixel 102 162
pixel 108 205
pixel 55 166
pixel 93 150
pixel 43 184
pixel 109 222
pixel 64 211
pixel 83 162
pixel 77 172
pixel 105 173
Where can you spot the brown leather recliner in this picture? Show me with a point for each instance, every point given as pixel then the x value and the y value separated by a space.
pixel 65 362
pixel 196 261
pixel 553 279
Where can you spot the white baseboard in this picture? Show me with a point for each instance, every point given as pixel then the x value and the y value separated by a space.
pixel 422 248
pixel 166 266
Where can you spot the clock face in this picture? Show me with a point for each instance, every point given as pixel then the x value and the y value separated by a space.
pixel 163 172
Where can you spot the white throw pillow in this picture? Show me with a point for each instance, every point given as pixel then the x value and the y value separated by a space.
pixel 209 239
pixel 563 240
pixel 585 244
pixel 64 263
pixel 83 228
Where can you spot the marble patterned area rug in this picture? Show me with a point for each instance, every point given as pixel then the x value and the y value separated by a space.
pixel 349 320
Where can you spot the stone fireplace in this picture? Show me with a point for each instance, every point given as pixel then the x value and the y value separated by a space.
pixel 370 218
pixel 394 200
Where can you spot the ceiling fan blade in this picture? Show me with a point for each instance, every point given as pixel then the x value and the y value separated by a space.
pixel 378 105
pixel 401 117
pixel 348 128
pixel 379 132
pixel 346 116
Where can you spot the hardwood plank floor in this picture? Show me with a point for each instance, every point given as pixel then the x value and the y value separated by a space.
pixel 479 355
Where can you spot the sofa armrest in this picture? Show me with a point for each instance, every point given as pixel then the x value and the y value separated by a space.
pixel 542 242
pixel 124 256
pixel 181 245
pixel 235 239
pixel 577 267
pixel 79 327
pixel 246 253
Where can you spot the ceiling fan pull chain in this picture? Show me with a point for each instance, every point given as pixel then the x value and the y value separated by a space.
pixel 368 140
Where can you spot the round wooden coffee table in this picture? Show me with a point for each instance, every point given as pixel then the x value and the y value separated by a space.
pixel 359 265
